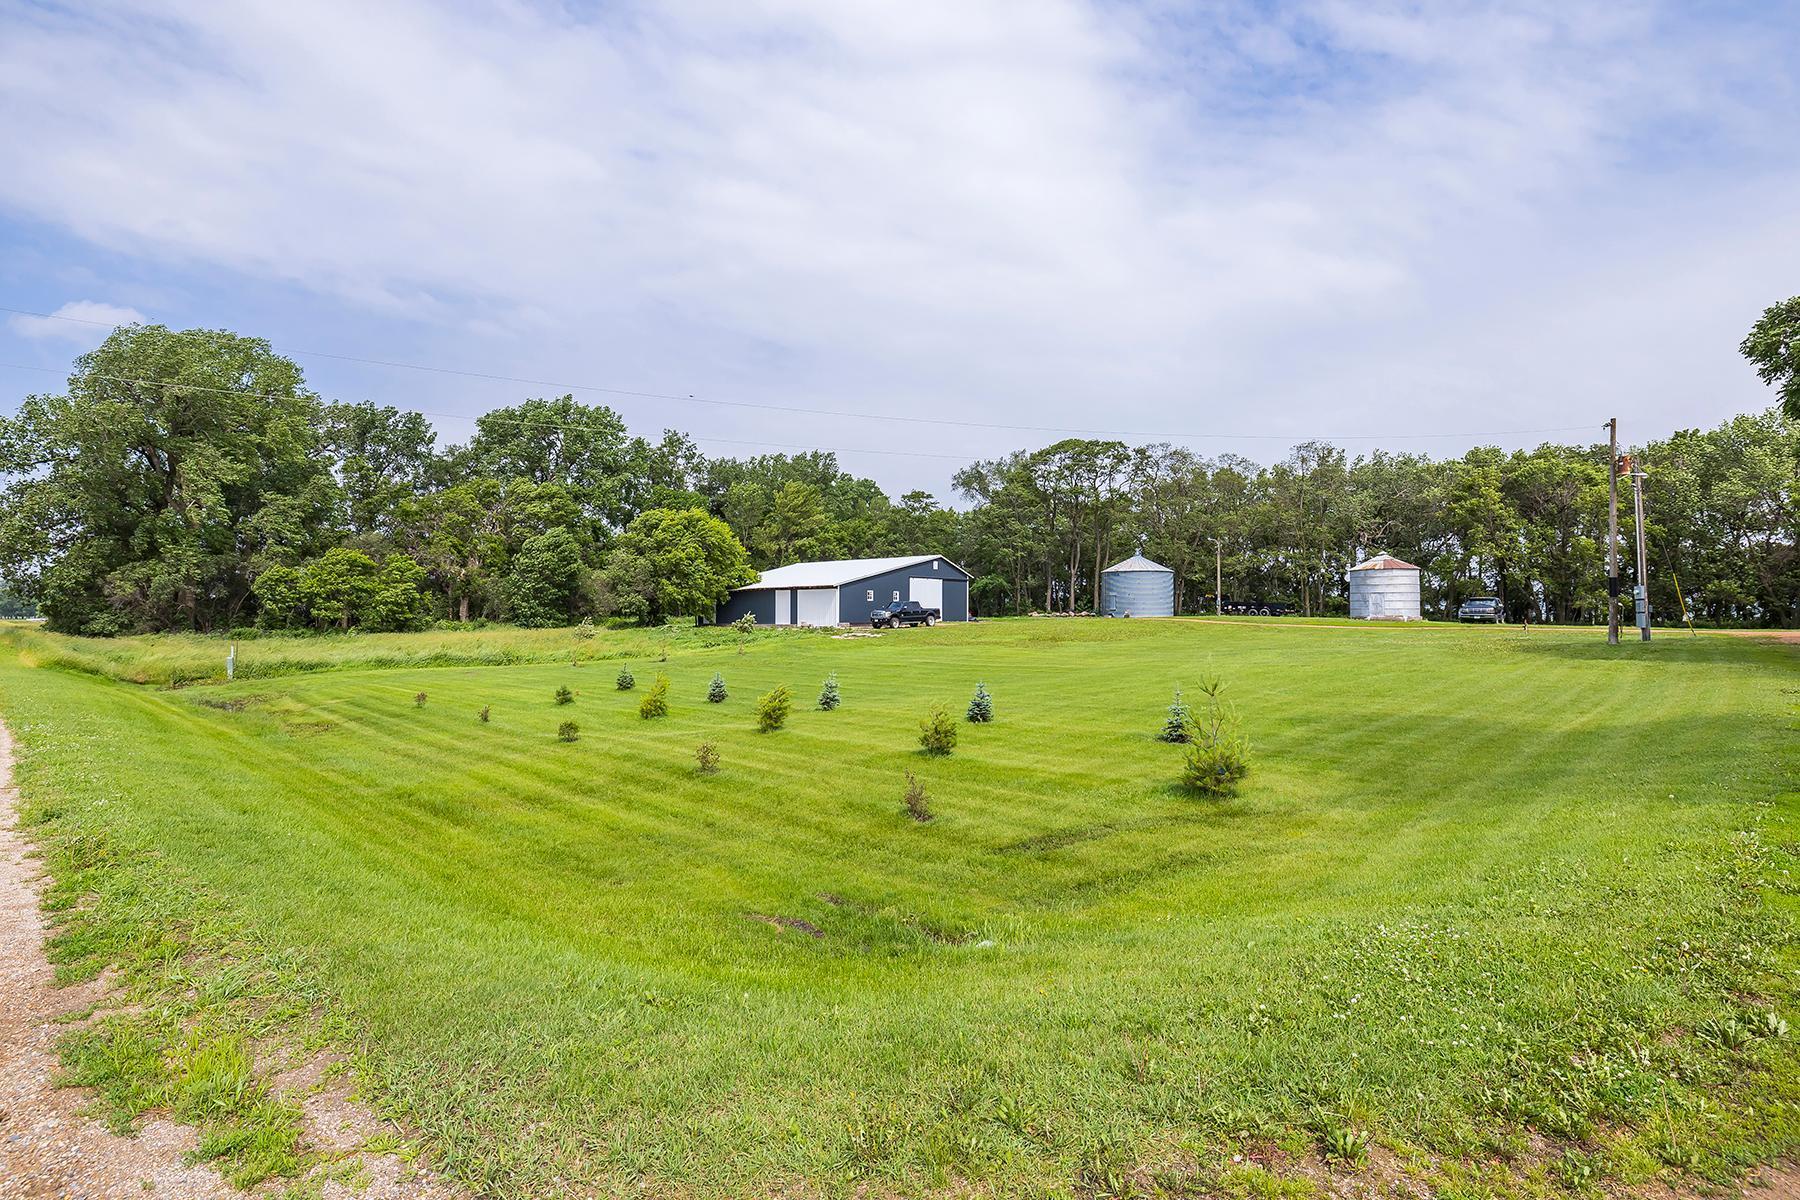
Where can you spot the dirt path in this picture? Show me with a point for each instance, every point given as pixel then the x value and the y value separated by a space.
pixel 47 1148
pixel 50 1150
pixel 1780 1182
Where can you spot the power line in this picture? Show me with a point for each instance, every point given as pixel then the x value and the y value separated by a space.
pixel 832 412
pixel 523 422
pixel 961 458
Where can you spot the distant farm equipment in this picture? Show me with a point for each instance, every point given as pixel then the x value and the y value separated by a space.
pixel 1257 608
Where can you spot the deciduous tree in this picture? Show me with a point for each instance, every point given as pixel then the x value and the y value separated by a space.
pixel 678 562
pixel 1773 347
pixel 173 469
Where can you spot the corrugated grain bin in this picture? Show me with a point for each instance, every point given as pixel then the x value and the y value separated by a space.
pixel 1384 589
pixel 1137 587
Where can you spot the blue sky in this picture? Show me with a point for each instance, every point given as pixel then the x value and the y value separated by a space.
pixel 1240 223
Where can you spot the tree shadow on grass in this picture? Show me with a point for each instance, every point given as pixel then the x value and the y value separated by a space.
pixel 1665 649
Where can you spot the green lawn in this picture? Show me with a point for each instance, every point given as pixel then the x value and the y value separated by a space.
pixel 1480 881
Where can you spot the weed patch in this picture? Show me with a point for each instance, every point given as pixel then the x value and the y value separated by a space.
pixel 917 801
pixel 786 923
pixel 230 703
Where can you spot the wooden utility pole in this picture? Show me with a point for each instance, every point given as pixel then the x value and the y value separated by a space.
pixel 1612 533
pixel 1642 594
pixel 1218 577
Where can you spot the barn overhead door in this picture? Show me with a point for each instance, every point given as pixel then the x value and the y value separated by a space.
pixel 818 606
pixel 784 606
pixel 929 592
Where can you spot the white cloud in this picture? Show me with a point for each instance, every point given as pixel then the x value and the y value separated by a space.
pixel 1310 217
pixel 84 321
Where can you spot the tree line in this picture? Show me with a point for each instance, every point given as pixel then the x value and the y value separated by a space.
pixel 189 480
pixel 1529 526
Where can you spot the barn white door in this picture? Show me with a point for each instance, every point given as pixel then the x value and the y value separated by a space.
pixel 784 605
pixel 818 606
pixel 929 592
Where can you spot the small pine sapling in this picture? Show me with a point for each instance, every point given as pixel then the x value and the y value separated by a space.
pixel 706 759
pixel 981 707
pixel 772 709
pixel 937 732
pixel 1218 756
pixel 828 694
pixel 918 802
pixel 568 731
pixel 716 694
pixel 1179 722
pixel 483 715
pixel 564 696
pixel 656 701
pixel 419 699
pixel 626 680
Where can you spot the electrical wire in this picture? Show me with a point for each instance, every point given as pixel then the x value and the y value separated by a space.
pixel 856 414
pixel 519 421
pixel 1662 549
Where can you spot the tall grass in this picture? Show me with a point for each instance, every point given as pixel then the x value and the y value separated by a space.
pixel 180 659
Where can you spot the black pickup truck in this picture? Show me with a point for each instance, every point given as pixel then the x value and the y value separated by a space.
pixel 904 612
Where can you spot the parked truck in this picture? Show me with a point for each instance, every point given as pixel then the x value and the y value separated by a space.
pixel 904 612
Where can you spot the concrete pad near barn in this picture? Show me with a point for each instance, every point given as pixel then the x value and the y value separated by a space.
pixel 844 591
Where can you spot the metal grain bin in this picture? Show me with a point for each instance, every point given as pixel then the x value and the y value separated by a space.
pixel 1137 587
pixel 1384 589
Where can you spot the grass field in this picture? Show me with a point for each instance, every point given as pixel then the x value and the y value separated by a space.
pixel 180 659
pixel 1515 907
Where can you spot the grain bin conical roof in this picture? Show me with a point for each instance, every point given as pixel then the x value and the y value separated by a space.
pixel 1136 562
pixel 1385 562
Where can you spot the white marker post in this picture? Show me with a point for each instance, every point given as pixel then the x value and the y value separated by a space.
pixel 230 662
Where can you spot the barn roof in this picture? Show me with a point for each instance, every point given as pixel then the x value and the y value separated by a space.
pixel 1136 562
pixel 1384 562
pixel 836 572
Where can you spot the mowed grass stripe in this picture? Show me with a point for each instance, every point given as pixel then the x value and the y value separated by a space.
pixel 533 778
pixel 661 748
